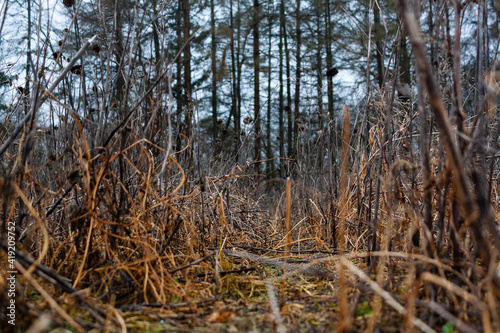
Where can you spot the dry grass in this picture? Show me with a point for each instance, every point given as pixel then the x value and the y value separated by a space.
pixel 186 255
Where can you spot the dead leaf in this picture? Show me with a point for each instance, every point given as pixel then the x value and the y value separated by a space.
pixel 221 316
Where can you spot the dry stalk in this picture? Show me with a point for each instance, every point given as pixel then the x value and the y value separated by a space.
pixel 287 216
pixel 385 295
pixel 345 313
pixel 484 224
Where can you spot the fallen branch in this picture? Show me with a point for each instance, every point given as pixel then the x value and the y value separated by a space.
pixel 303 269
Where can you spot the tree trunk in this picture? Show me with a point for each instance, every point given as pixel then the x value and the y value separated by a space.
pixel 269 151
pixel 457 85
pixel 178 82
pixel 281 91
pixel 481 66
pixel 329 60
pixel 405 66
pixel 234 106
pixel 156 38
pixel 214 74
pixel 256 60
pixel 319 90
pixel 297 81
pixel 186 8
pixel 378 45
pixel 28 64
pixel 288 108
pixel 238 78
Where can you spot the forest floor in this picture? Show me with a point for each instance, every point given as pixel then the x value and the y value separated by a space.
pixel 253 290
pixel 307 303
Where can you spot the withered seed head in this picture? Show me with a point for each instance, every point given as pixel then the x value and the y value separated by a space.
pixel 69 3
pixel 77 69
pixel 332 72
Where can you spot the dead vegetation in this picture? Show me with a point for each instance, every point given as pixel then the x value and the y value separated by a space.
pixel 399 232
pixel 180 255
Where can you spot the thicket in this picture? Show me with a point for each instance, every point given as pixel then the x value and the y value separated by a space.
pixel 155 185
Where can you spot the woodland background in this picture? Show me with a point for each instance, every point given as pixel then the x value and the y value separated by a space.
pixel 146 145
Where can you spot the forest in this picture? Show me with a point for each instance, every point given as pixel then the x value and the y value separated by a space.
pixel 249 166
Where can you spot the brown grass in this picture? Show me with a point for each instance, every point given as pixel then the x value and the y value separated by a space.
pixel 165 262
